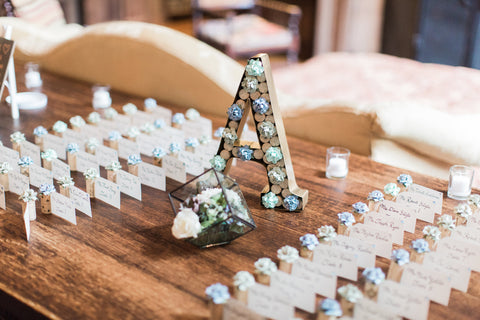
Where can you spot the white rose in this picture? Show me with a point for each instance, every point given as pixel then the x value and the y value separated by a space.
pixel 186 224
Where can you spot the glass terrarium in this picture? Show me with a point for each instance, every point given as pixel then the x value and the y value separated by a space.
pixel 218 203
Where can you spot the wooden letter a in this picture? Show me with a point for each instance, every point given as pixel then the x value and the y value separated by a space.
pixel 257 92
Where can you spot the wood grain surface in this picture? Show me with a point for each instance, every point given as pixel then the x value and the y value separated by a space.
pixel 125 264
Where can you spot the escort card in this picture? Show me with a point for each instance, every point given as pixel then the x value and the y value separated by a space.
pixel 81 200
pixel 107 191
pixel 9 155
pixel 3 204
pixel 363 251
pixel 461 251
pixel 56 143
pixel 457 272
pixel 106 155
pixel 17 182
pixel 102 130
pixel 474 221
pixel 399 210
pixel 382 239
pixel 39 175
pixel 90 131
pixel 113 125
pixel 403 300
pixel 391 224
pixel 323 282
pixel 60 169
pixel 63 207
pixel 193 163
pixel 424 207
pixel 174 169
pixel 175 136
pixel 71 136
pixel 198 128
pixel 433 285
pixel 26 219
pixel 367 309
pixel 127 147
pixel 142 117
pixel 236 310
pixel 146 144
pixel 130 184
pixel 264 301
pixel 86 161
pixel 435 196
pixel 293 290
pixel 124 121
pixel 163 113
pixel 152 176
pixel 337 260
pixel 31 150
pixel 467 233
pixel 162 140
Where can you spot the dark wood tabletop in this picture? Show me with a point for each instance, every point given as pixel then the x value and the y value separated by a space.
pixel 125 264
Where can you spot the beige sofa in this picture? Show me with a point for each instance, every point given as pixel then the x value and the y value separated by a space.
pixel 154 61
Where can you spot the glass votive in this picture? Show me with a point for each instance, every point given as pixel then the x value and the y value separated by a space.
pixel 337 162
pixel 101 97
pixel 33 80
pixel 460 182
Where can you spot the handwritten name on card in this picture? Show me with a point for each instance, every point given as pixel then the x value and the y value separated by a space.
pixel 146 144
pixel 39 175
pixel 175 135
pixel 367 309
pixel 130 184
pixel 382 239
pixel 152 176
pixel 363 251
pixel 402 300
pixel 81 200
pixel 339 261
pixel 434 195
pixel 263 300
pixel 63 207
pixel 127 147
pixel 56 143
pixel 28 149
pixel 193 163
pixel 392 224
pixel 107 191
pixel 467 233
pixel 236 310
pixel 86 161
pixel 174 169
pixel 3 204
pixel 457 272
pixel 198 128
pixel 26 219
pixel 163 113
pixel 293 290
pixel 323 282
pixel 424 207
pixel 399 210
pixel 462 251
pixel 60 169
pixel 9 155
pixel 474 222
pixel 70 136
pixel 106 155
pixel 423 279
pixel 18 183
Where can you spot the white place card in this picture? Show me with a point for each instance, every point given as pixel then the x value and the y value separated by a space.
pixel 434 195
pixel 71 136
pixel 236 310
pixel 86 161
pixel 142 117
pixel 175 136
pixel 60 169
pixel 152 176
pixel 81 200
pixel 293 290
pixel 399 210
pixel 39 175
pixel 102 130
pixel 127 147
pixel 193 163
pixel 392 224
pixel 123 120
pixel 90 131
pixel 146 144
pixel 424 207
pixel 63 207
pixel 434 285
pixel 174 169
pixel 9 155
pixel 3 203
pixel 130 184
pixel 461 251
pixel 197 128
pixel 457 272
pixel 107 191
pixel 474 221
pixel 403 300
pixel 339 261
pixel 51 141
pixel 367 309
pixel 17 182
pixel 110 125
pixel 382 239
pixel 467 233
pixel 28 149
pixel 105 155
pixel 264 301
pixel 163 113
pixel 26 219
pixel 362 250
pixel 323 282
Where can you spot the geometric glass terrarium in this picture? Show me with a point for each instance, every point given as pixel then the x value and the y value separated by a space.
pixel 218 202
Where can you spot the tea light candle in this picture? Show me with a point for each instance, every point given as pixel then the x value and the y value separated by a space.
pixel 337 167
pixel 460 186
pixel 33 79
pixel 101 99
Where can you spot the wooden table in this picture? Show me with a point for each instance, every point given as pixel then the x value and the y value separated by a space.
pixel 125 264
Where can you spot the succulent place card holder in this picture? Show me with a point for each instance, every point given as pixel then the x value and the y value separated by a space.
pixel 257 92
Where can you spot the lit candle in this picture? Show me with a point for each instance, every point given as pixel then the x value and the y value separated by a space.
pixel 33 79
pixel 337 167
pixel 460 186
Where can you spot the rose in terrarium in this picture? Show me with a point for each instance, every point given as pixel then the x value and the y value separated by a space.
pixel 210 210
